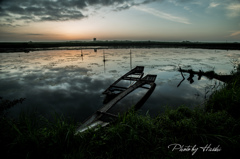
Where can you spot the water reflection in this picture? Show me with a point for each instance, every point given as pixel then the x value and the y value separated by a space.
pixel 71 81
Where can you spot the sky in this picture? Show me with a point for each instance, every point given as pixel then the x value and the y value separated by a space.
pixel 156 20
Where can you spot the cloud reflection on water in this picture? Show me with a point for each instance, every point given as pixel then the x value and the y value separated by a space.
pixel 70 95
pixel 63 81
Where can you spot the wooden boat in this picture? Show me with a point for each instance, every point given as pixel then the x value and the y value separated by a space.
pixel 104 116
pixel 114 89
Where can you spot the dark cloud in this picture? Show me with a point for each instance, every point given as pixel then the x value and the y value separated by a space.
pixel 56 10
pixel 129 5
pixel 8 25
pixel 123 7
pixel 42 10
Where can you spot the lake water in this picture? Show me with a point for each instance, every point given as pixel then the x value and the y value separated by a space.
pixel 72 81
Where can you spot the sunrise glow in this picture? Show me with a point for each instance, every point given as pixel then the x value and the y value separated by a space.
pixel 161 20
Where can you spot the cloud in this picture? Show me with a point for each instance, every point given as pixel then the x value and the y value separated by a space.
pixel 178 2
pixel 233 10
pixel 35 34
pixel 185 4
pixel 128 5
pixel 55 91
pixel 235 33
pixel 57 10
pixel 213 5
pixel 41 10
pixel 8 25
pixel 50 10
pixel 163 15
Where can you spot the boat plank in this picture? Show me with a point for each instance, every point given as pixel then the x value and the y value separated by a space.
pixel 102 116
pixel 138 70
pixel 126 92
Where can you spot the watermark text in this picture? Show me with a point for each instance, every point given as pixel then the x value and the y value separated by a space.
pixel 194 148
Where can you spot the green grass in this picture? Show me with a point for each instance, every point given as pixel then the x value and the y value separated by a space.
pixel 132 135
pixel 228 98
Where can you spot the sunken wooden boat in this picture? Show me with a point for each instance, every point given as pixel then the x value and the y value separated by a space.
pixel 114 93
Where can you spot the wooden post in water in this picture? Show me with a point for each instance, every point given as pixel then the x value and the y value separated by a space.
pixel 104 61
pixel 130 60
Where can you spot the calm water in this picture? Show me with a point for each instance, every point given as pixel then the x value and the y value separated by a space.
pixel 71 81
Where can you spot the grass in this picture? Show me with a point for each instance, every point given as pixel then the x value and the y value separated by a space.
pixel 132 135
pixel 226 99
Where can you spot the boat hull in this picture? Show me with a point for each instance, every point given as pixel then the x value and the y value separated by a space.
pixel 104 116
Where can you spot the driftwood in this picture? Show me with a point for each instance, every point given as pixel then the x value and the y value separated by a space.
pixel 200 73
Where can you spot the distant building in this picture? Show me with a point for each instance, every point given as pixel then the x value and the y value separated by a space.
pixel 94 39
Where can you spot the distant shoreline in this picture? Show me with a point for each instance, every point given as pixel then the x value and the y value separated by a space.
pixel 6 47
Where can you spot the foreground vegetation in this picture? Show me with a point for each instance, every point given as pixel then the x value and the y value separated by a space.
pixel 212 131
